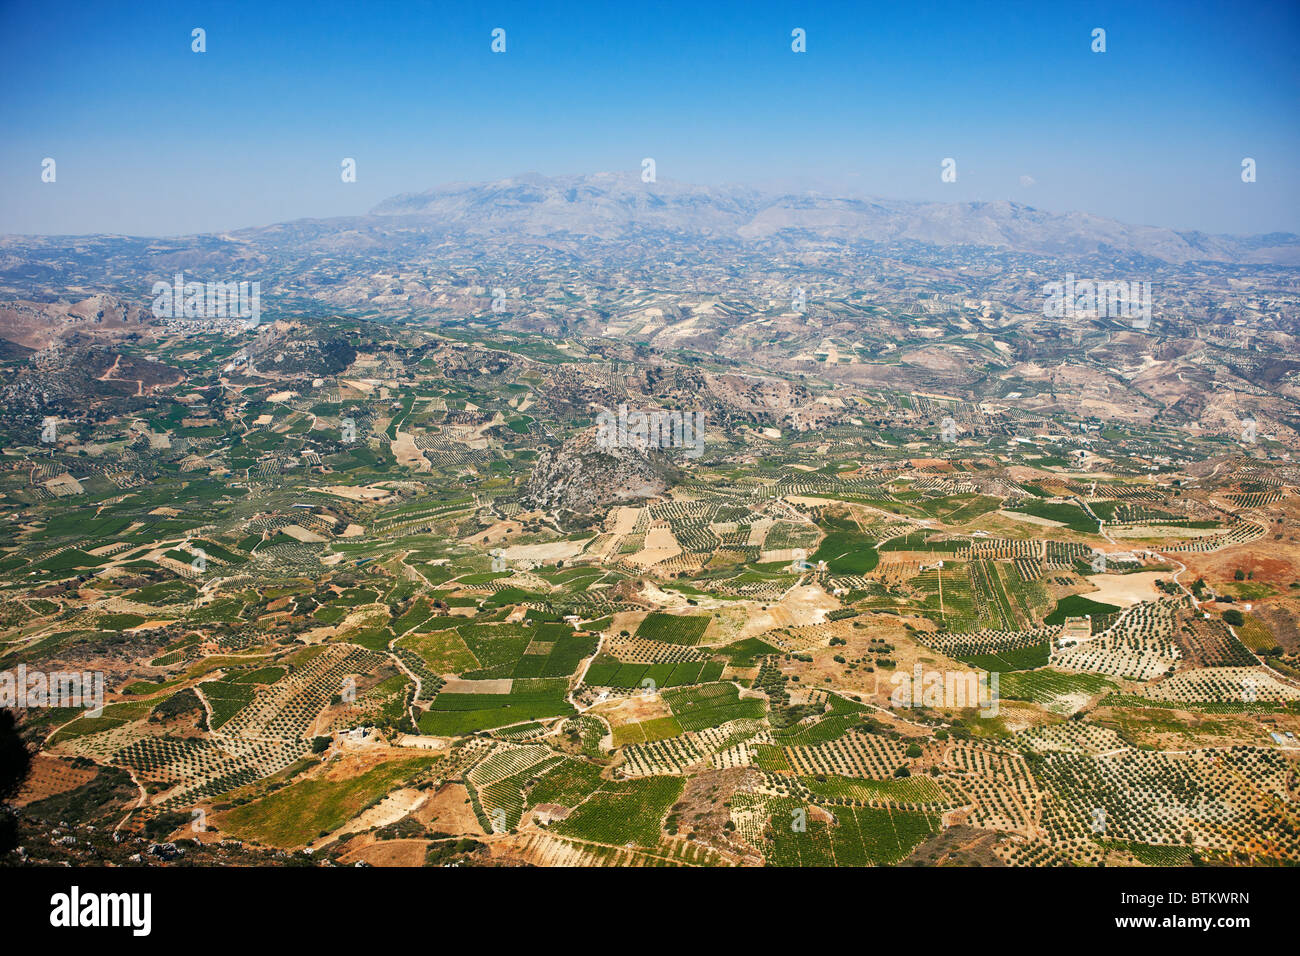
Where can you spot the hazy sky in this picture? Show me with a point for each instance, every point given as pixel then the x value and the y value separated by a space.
pixel 151 138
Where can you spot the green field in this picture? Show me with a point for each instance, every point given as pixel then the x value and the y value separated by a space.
pixel 624 812
pixel 452 714
pixel 1070 515
pixel 301 811
pixel 1077 606
pixel 673 628
pixel 709 705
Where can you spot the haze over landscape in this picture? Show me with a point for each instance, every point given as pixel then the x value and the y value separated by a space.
pixel 153 139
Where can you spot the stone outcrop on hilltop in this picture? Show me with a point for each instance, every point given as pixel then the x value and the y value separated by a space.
pixel 582 479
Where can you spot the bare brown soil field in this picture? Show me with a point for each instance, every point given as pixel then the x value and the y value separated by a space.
pixel 457 685
pixel 1282 617
pixel 545 553
pixel 499 532
pixel 703 814
pixel 366 849
pixel 875 685
pixel 357 492
pixel 798 608
pixel 957 846
pixel 631 710
pixel 50 776
pixel 450 811
pixel 1124 590
pixel 1273 562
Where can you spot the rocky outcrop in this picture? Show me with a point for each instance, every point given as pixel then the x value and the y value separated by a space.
pixel 583 479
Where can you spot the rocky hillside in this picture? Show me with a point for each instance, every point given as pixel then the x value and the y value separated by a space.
pixel 39 325
pixel 581 479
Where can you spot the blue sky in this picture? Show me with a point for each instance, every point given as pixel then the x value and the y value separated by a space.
pixel 152 139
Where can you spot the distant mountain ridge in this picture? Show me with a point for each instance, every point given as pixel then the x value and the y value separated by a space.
pixel 617 205
pixel 616 211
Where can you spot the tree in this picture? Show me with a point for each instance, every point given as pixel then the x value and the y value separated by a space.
pixel 15 765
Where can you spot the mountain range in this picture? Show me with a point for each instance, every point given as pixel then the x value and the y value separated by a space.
pixel 613 207
pixel 619 205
